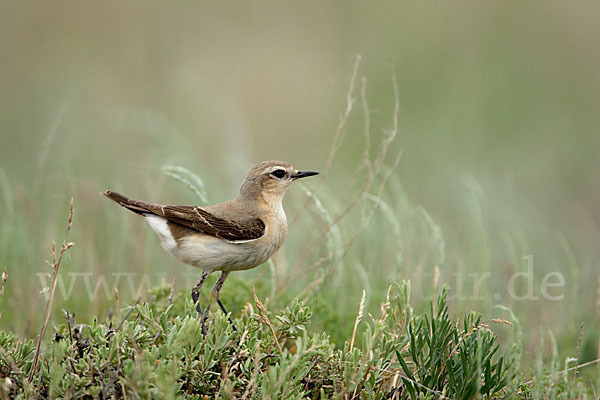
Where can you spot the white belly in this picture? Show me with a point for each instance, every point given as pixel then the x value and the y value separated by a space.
pixel 211 253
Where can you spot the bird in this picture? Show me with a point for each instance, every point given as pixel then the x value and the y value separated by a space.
pixel 236 235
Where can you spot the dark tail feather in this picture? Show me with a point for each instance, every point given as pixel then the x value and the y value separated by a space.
pixel 126 202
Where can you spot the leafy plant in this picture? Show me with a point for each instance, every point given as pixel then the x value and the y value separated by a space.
pixel 158 351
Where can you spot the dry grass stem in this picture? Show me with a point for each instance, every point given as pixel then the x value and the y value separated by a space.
pixel 265 319
pixel 385 307
pixel 366 157
pixel 378 162
pixel 579 366
pixel 578 351
pixel 501 321
pixel 359 317
pixel 364 223
pixel 340 133
pixel 3 281
pixel 56 261
pixel 366 161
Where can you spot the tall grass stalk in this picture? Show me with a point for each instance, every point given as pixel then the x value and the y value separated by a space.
pixel 384 146
pixel 340 131
pixel 55 265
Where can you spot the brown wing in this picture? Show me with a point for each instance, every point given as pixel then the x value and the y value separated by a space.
pixel 196 218
pixel 201 220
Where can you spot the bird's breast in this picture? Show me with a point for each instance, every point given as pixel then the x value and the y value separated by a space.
pixel 276 230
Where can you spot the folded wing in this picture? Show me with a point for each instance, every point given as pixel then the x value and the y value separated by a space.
pixel 196 218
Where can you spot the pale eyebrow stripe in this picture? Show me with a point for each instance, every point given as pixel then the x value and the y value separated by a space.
pixel 275 168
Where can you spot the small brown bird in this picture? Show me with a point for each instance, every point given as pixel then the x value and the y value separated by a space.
pixel 235 235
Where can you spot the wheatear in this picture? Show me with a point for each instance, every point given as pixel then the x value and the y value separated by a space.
pixel 235 235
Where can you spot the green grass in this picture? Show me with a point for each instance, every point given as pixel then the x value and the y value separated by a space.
pixel 157 350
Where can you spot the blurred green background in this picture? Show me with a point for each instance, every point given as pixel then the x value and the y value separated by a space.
pixel 498 125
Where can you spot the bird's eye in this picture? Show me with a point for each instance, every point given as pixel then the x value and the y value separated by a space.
pixel 278 173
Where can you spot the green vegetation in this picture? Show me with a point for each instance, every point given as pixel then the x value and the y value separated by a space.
pixel 158 351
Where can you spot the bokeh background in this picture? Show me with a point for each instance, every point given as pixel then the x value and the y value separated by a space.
pixel 497 126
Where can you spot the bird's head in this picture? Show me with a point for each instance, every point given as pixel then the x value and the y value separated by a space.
pixel 271 179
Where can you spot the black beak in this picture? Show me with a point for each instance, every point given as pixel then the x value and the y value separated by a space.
pixel 304 174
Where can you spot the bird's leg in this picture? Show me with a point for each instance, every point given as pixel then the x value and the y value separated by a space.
pixel 215 292
pixel 204 318
pixel 196 291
